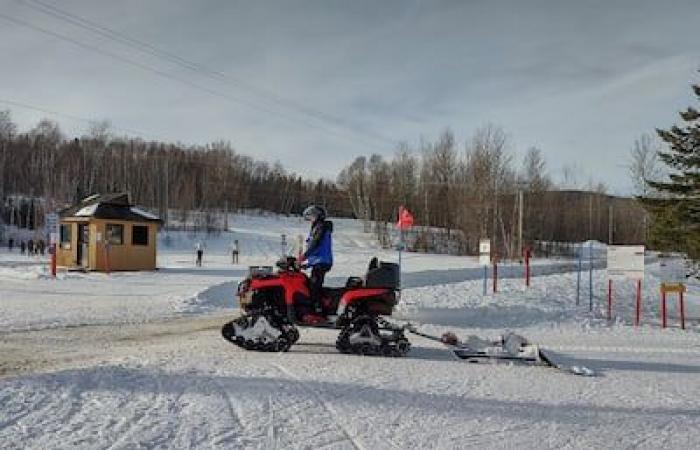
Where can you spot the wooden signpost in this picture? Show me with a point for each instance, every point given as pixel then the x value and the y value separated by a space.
pixel 670 288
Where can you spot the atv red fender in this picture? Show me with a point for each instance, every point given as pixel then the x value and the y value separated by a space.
pixel 357 295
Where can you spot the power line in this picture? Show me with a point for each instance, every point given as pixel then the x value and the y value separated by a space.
pixel 147 48
pixel 72 117
pixel 288 172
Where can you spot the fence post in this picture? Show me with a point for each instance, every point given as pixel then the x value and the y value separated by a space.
pixel 663 306
pixel 578 279
pixel 527 267
pixel 682 310
pixel 638 311
pixel 495 275
pixel 486 276
pixel 53 260
pixel 590 277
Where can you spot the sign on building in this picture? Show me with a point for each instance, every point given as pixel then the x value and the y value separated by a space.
pixel 626 261
pixel 485 252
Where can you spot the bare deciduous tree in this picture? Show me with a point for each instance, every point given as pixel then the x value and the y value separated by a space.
pixel 644 164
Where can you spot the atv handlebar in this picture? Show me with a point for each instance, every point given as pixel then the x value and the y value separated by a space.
pixel 290 263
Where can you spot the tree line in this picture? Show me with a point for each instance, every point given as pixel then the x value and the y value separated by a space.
pixel 458 192
pixel 196 183
pixel 477 190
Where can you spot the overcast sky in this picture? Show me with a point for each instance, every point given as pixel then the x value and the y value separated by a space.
pixel 315 83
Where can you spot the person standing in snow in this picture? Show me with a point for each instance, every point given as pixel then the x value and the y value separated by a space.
pixel 319 251
pixel 199 249
pixel 234 252
pixel 22 247
pixel 30 247
pixel 10 244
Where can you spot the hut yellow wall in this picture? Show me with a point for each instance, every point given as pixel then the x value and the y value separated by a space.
pixel 125 256
pixel 121 257
pixel 66 255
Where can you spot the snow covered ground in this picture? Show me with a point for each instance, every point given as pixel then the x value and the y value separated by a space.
pixel 135 360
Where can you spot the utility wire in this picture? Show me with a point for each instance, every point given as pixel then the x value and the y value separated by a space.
pixel 237 148
pixel 145 47
pixel 72 117
pixel 167 75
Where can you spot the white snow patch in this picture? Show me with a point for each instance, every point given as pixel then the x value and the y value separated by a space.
pixel 87 211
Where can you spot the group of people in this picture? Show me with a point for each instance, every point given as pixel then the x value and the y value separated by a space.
pixel 30 247
pixel 199 252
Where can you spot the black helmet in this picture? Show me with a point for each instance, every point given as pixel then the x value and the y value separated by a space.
pixel 314 213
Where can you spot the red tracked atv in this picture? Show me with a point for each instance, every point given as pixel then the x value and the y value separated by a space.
pixel 276 303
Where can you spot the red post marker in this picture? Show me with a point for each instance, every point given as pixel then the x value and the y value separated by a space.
pixel 53 260
pixel 639 303
pixel 663 307
pixel 682 311
pixel 609 299
pixel 527 267
pixel 495 276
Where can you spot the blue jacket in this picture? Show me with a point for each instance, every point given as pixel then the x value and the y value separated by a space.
pixel 319 245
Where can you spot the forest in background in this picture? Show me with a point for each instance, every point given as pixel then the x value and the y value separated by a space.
pixel 458 193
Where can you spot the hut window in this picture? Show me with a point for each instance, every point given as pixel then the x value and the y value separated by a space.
pixel 115 233
pixel 139 235
pixel 65 233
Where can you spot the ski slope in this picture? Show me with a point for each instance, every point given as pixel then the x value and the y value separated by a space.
pixel 135 360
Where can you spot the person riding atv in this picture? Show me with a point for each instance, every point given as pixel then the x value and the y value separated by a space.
pixel 318 255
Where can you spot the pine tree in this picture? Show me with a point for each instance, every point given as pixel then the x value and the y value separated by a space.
pixel 676 204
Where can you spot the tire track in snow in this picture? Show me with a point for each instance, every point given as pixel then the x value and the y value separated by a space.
pixel 138 417
pixel 229 404
pixel 326 405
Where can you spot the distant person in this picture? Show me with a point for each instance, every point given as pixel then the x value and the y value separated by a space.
pixel 42 247
pixel 234 252
pixel 10 244
pixel 30 247
pixel 22 247
pixel 199 249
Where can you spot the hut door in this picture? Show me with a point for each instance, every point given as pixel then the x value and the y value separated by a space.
pixel 83 240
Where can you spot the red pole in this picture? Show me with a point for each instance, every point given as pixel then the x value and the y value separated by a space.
pixel 527 267
pixel 495 276
pixel 639 303
pixel 53 260
pixel 663 307
pixel 682 311
pixel 609 299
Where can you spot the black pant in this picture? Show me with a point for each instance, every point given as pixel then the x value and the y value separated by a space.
pixel 318 273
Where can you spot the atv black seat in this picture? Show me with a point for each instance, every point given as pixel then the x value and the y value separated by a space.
pixel 259 271
pixel 354 282
pixel 384 276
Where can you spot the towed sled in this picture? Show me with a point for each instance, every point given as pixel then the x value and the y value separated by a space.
pixel 508 347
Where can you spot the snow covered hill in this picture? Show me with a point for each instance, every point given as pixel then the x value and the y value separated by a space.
pixel 136 359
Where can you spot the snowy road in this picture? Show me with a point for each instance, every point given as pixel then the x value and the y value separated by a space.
pixel 177 384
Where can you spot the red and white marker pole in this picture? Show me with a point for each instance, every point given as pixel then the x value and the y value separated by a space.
pixel 638 309
pixel 53 260
pixel 527 267
pixel 495 275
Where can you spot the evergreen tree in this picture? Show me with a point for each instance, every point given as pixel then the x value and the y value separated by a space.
pixel 676 204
